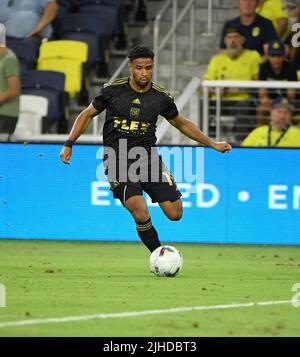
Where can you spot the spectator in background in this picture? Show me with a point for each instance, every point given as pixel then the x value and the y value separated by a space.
pixel 274 10
pixel 28 18
pixel 258 31
pixel 280 132
pixel 275 68
pixel 294 51
pixel 235 63
pixel 293 7
pixel 9 88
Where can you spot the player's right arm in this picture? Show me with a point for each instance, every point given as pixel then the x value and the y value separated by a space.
pixel 79 127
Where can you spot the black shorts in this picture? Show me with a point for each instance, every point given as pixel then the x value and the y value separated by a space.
pixel 162 189
pixel 158 191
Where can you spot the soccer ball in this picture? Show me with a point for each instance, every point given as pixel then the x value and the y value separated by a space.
pixel 166 261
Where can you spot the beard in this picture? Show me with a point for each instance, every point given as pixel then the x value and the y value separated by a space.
pixel 279 125
pixel 234 51
pixel 142 84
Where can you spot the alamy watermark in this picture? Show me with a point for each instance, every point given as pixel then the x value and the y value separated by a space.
pixel 136 164
pixel 2 295
pixel 296 37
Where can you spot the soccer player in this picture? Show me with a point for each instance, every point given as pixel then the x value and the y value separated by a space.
pixel 132 108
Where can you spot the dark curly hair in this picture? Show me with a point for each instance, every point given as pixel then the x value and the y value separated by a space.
pixel 140 52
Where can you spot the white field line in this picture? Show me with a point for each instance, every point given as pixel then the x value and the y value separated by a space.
pixel 137 313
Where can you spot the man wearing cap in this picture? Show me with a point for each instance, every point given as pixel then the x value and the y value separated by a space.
pixel 280 132
pixel 258 30
pixel 275 68
pixel 235 63
pixel 9 87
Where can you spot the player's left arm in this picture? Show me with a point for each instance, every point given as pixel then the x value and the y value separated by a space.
pixel 190 130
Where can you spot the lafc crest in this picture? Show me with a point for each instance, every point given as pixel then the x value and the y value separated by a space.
pixel 134 112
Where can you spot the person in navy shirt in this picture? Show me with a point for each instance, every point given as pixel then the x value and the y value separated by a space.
pixel 258 30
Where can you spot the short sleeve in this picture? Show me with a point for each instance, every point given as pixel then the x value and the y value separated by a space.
pixel 269 32
pixel 12 67
pixel 169 110
pixel 250 140
pixel 211 71
pixel 44 3
pixel 255 64
pixel 101 101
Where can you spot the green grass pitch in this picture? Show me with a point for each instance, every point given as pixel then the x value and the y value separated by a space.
pixel 46 279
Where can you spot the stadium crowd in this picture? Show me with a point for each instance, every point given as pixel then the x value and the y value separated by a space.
pixel 52 48
pixel 52 45
pixel 257 45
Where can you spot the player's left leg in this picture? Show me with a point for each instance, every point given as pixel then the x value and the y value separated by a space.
pixel 173 210
pixel 167 195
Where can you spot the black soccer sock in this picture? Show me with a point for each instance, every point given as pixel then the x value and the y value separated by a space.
pixel 148 234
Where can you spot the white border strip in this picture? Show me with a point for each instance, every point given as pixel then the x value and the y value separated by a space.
pixel 137 313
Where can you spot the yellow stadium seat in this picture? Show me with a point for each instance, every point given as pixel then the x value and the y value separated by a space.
pixel 67 57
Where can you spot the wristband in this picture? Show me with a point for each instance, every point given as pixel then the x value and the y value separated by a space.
pixel 69 143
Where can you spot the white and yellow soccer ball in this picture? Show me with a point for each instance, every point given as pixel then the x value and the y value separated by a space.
pixel 166 261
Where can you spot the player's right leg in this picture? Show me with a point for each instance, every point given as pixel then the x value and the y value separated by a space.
pixel 132 198
pixel 137 207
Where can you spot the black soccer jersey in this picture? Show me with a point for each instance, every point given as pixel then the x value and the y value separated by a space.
pixel 131 115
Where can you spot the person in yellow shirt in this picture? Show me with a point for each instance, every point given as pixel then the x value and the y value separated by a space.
pixel 274 10
pixel 280 132
pixel 234 63
pixel 237 64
